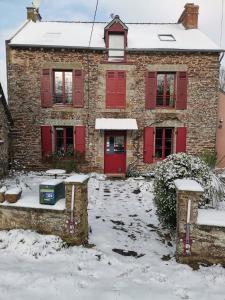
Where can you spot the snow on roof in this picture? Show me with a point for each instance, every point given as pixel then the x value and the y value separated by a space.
pixel 211 217
pixel 188 185
pixel 77 178
pixel 52 182
pixel 116 124
pixel 140 36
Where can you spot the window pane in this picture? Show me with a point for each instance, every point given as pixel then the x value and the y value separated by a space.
pixel 158 142
pixel 68 87
pixel 110 144
pixel 160 89
pixel 58 81
pixel 116 41
pixel 168 141
pixel 159 133
pixel 69 140
pixel 170 89
pixel 59 141
pixel 119 144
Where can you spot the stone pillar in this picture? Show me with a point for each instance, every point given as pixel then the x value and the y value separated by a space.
pixel 80 216
pixel 186 190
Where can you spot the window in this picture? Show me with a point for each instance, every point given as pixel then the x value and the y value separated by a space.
pixel 165 89
pixel 159 142
pixel 166 37
pixel 62 87
pixel 116 47
pixel 115 144
pixel 115 89
pixel 63 141
pixel 64 144
pixel 163 142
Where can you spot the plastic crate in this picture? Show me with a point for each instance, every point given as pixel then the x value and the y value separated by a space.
pixel 51 191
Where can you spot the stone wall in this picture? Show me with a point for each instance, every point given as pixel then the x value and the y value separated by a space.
pixel 4 142
pixel 24 74
pixel 207 242
pixel 50 221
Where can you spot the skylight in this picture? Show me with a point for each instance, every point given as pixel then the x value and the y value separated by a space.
pixel 166 37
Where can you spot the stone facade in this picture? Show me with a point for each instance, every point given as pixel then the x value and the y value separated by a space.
pixel 5 125
pixel 207 242
pixel 50 221
pixel 24 73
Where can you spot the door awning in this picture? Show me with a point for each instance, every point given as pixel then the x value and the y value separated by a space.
pixel 115 124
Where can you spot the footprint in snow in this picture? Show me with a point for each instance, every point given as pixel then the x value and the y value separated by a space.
pixel 182 293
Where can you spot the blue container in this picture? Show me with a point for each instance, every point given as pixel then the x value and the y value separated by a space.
pixel 51 191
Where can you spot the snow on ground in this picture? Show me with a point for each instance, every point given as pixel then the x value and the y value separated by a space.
pixel 121 216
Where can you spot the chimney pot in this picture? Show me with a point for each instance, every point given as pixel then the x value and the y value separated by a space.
pixel 33 14
pixel 189 17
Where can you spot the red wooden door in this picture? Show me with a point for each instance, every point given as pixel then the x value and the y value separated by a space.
pixel 115 152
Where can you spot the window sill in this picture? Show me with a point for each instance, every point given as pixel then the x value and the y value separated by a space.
pixel 115 107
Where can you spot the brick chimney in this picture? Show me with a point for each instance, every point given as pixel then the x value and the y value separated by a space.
pixel 33 14
pixel 189 17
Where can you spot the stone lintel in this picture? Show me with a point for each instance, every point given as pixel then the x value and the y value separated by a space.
pixel 167 68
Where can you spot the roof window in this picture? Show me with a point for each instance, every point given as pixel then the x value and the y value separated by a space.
pixel 166 37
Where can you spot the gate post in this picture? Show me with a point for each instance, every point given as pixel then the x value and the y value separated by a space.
pixel 188 195
pixel 76 231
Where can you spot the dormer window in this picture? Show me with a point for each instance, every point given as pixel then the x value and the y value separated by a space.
pixel 116 39
pixel 116 46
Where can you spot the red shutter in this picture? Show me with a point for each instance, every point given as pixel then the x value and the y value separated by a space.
pixel 148 144
pixel 80 139
pixel 116 89
pixel 78 88
pixel 121 90
pixel 150 89
pixel 181 101
pixel 181 139
pixel 46 94
pixel 46 140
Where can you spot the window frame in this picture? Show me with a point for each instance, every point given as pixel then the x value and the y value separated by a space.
pixel 165 84
pixel 64 103
pixel 163 142
pixel 64 140
pixel 117 59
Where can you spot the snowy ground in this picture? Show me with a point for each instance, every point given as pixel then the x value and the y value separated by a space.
pixel 121 216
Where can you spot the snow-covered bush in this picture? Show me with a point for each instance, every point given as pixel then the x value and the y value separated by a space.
pixel 176 166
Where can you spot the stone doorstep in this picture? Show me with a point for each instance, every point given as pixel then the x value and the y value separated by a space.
pixel 116 175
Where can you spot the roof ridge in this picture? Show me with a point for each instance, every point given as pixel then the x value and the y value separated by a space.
pixel 104 22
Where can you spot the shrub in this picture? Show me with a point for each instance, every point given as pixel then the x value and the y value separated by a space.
pixel 173 167
pixel 209 157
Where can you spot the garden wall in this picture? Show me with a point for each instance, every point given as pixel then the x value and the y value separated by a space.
pixel 50 220
pixel 207 228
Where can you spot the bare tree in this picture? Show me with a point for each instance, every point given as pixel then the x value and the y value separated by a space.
pixel 222 78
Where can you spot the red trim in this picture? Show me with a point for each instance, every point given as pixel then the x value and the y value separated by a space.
pixel 148 144
pixel 181 139
pixel 116 89
pixel 46 140
pixel 115 163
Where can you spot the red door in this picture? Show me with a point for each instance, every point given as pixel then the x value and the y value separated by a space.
pixel 115 152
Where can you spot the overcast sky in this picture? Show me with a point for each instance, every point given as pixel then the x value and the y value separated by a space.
pixel 13 14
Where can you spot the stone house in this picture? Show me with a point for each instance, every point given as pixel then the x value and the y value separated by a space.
pixel 220 133
pixel 137 93
pixel 5 129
